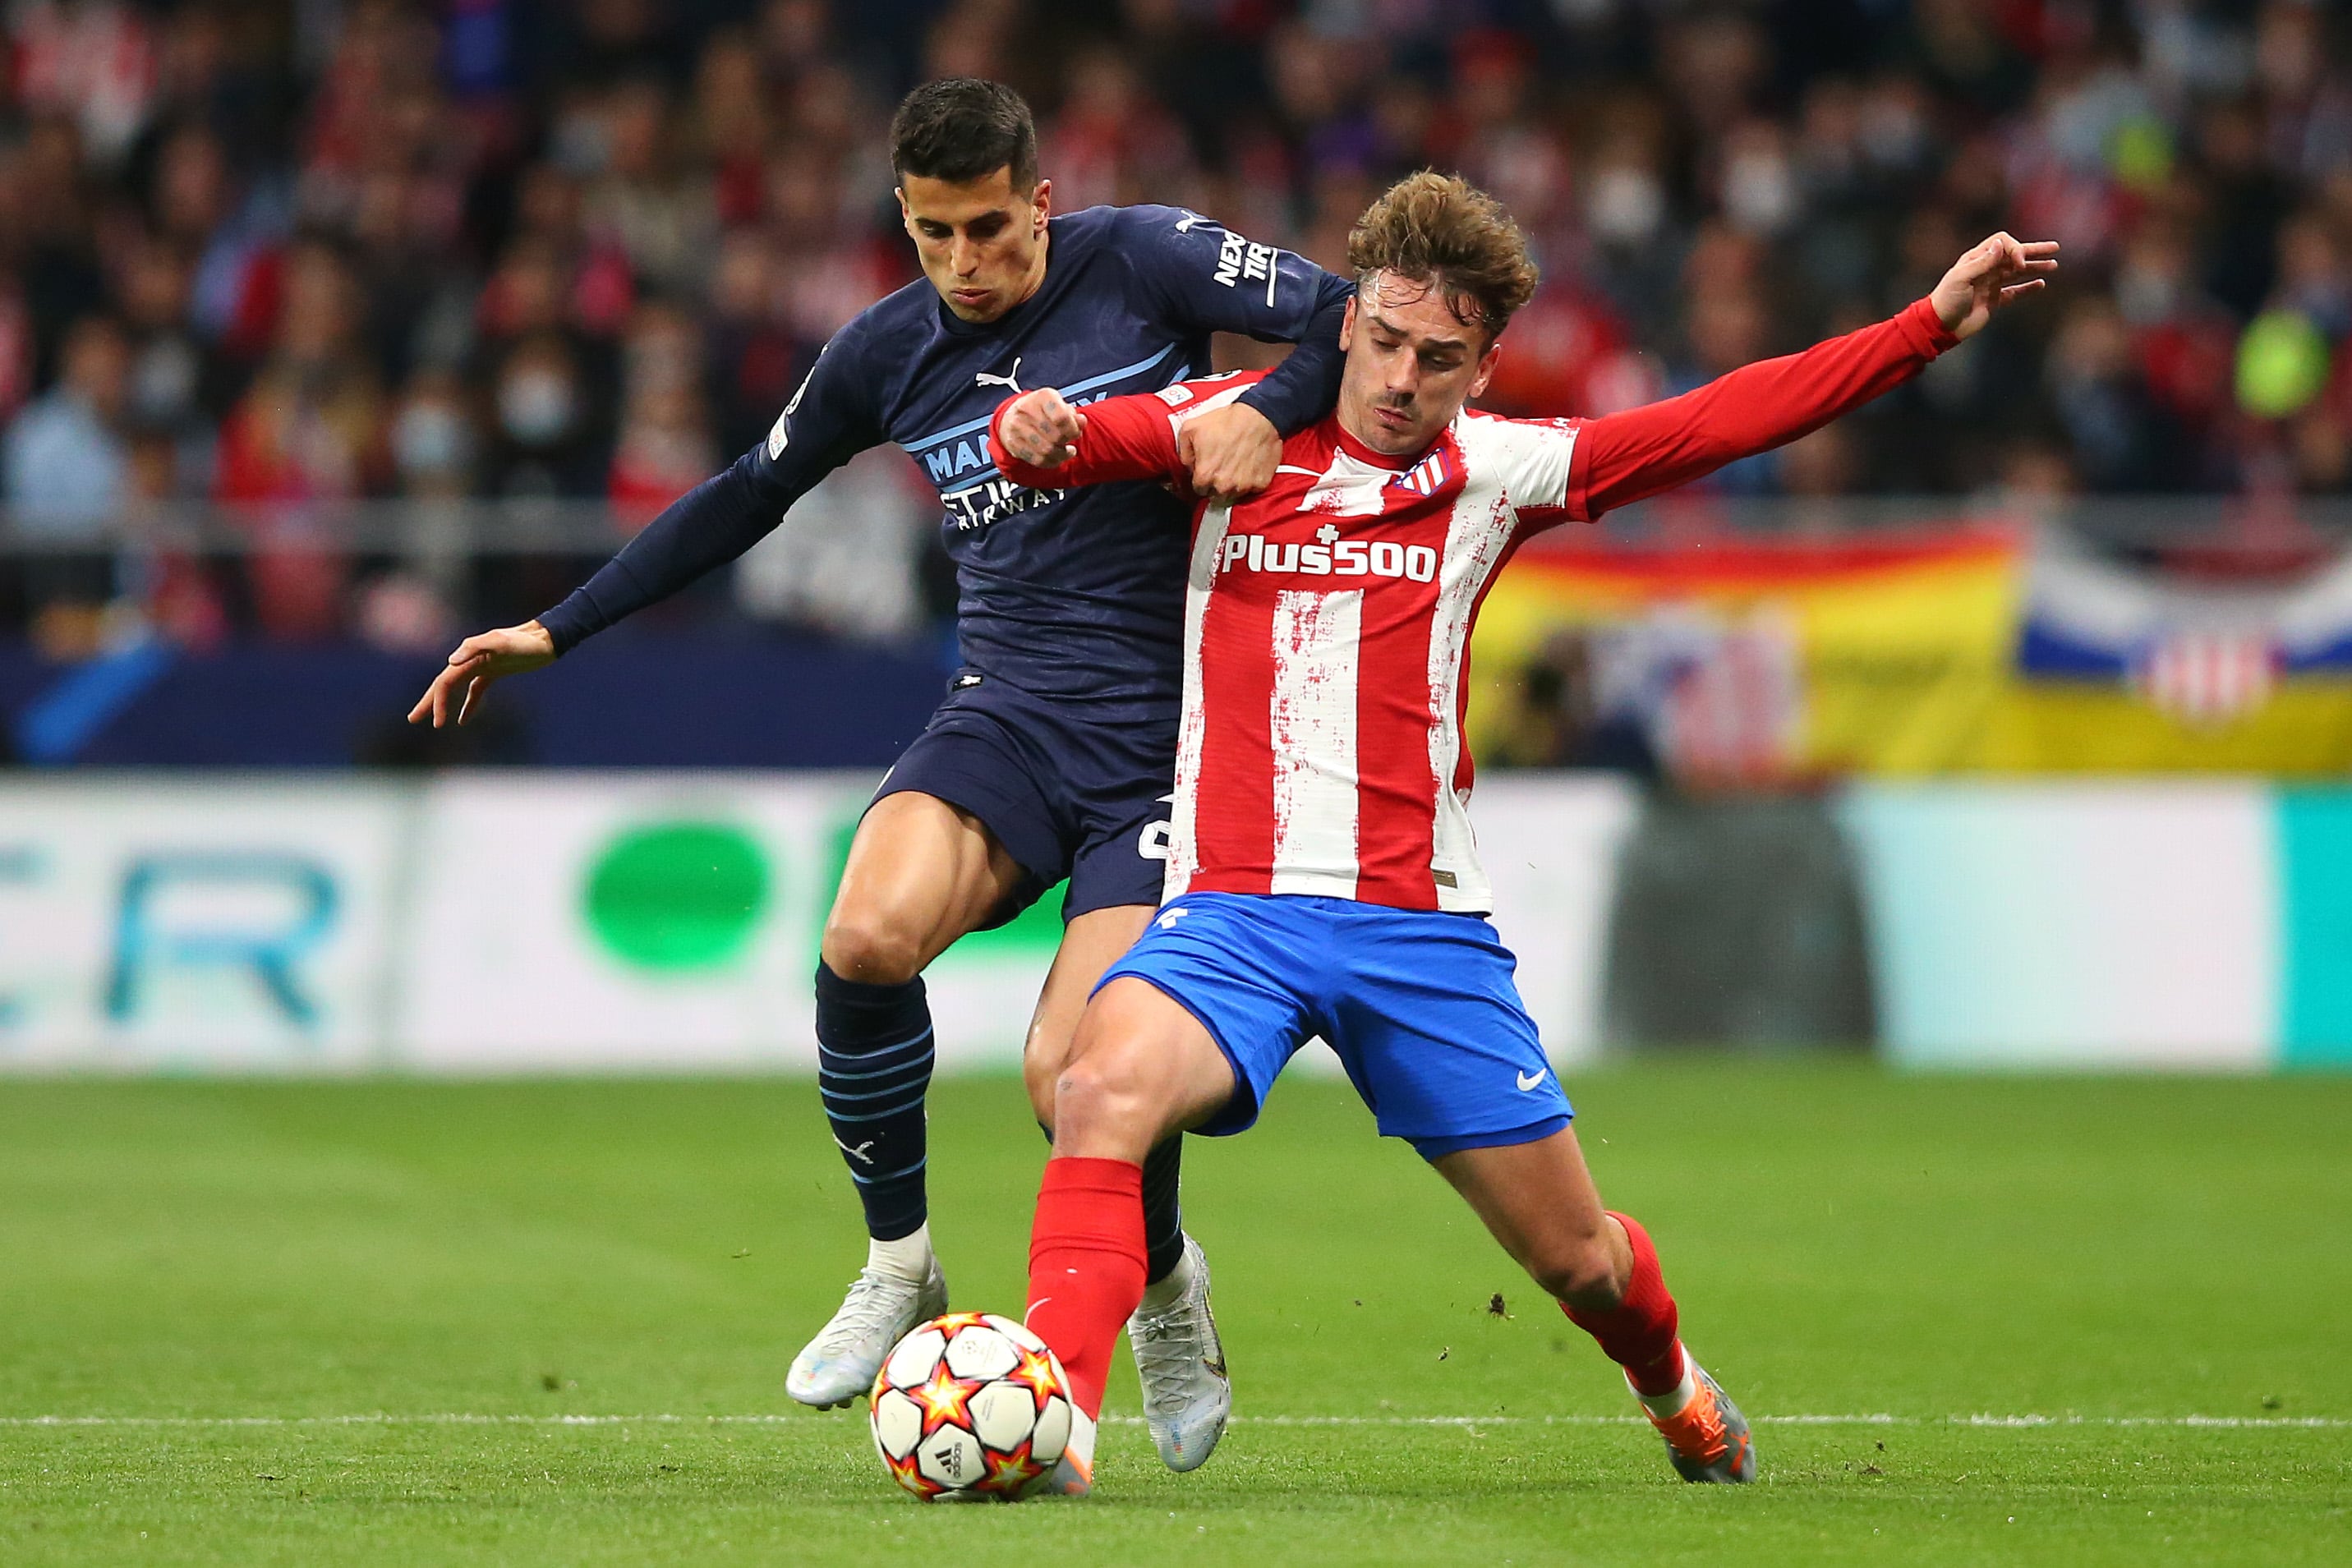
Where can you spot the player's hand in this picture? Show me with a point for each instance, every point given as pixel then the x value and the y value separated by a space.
pixel 1999 272
pixel 1230 452
pixel 479 660
pixel 1040 429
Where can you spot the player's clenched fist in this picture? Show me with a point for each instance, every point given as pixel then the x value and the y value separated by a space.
pixel 1229 453
pixel 1042 429
pixel 1999 272
pixel 479 660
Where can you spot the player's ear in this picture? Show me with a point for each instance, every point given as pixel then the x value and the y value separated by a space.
pixel 1347 325
pixel 905 217
pixel 1041 205
pixel 1485 369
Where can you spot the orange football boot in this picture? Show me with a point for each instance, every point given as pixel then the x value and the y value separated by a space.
pixel 1708 1439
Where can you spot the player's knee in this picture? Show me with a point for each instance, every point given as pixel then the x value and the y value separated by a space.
pixel 870 949
pixel 1087 1096
pixel 1040 1077
pixel 1101 1096
pixel 1579 1271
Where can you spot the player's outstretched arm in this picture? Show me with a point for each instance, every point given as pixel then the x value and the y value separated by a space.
pixel 1626 457
pixel 828 421
pixel 1039 440
pixel 479 660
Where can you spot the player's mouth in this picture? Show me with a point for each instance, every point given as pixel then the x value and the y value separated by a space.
pixel 1392 418
pixel 972 297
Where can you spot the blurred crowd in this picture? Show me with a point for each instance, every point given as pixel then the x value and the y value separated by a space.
pixel 284 256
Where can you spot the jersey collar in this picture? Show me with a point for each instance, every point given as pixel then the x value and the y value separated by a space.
pixel 1365 454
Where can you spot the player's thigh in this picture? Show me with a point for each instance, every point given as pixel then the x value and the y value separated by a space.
pixel 1091 944
pixel 1538 1199
pixel 1142 1067
pixel 921 873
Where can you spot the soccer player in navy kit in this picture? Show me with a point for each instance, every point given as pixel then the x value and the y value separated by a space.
pixel 1052 754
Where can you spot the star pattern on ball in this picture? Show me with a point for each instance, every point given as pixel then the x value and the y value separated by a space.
pixel 1009 1474
pixel 1035 1370
pixel 945 1398
pixel 910 1474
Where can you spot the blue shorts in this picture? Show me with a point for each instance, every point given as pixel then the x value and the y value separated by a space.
pixel 1420 1006
pixel 1071 789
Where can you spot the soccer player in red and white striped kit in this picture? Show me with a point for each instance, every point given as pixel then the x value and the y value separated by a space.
pixel 1322 877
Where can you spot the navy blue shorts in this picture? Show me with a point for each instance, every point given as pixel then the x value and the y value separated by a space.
pixel 1075 791
pixel 1420 1006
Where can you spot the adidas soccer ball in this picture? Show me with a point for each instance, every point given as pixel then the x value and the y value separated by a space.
pixel 970 1406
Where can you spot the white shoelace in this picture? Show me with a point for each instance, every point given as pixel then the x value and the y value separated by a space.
pixel 875 1303
pixel 1166 1347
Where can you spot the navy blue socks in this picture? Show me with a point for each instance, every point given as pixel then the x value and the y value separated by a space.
pixel 873 1067
pixel 1164 1217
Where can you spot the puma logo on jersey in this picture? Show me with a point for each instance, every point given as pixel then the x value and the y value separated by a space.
pixel 982 378
pixel 1168 920
pixel 858 1153
pixel 1329 555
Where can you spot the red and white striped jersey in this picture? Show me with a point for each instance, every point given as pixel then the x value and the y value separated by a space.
pixel 1328 618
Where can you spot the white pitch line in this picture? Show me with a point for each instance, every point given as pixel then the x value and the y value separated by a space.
pixel 2326 1423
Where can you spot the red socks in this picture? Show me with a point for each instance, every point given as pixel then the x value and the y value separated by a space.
pixel 1639 1335
pixel 1086 1266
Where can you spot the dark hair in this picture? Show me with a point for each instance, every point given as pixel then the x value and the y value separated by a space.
pixel 1435 228
pixel 964 129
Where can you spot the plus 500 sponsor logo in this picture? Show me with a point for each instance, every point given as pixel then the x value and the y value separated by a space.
pixel 1329 557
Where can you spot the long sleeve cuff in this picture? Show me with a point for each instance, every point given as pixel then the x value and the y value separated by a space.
pixel 1924 330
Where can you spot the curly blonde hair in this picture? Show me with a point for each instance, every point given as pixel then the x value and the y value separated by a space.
pixel 1440 229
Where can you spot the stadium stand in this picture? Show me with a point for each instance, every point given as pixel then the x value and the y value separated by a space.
pixel 270 268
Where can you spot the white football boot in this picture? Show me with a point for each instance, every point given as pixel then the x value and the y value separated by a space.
pixel 842 1362
pixel 1182 1365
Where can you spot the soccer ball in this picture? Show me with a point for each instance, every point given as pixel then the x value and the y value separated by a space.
pixel 970 1406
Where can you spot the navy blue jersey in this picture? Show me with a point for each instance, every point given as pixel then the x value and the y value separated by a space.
pixel 1075 594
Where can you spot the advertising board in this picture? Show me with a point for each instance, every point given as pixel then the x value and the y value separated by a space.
pixel 239 923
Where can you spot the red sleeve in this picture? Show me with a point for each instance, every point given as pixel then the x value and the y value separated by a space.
pixel 1131 437
pixel 1620 458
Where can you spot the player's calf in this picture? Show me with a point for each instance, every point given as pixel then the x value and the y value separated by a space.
pixel 875 1057
pixel 1538 1200
pixel 1143 1067
pixel 1706 1438
pixel 1583 1273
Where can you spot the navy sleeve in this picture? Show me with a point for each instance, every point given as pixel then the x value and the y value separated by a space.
pixel 829 421
pixel 1206 278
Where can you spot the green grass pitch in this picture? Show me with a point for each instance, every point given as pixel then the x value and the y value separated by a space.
pixel 361 1322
